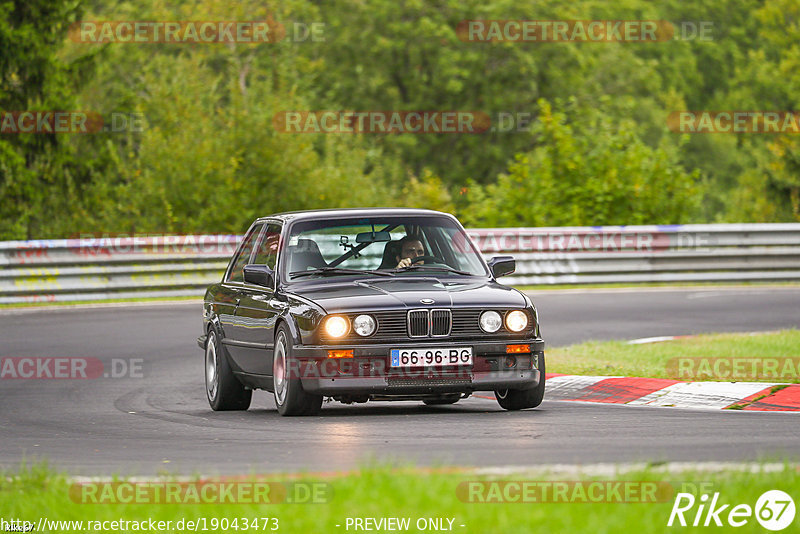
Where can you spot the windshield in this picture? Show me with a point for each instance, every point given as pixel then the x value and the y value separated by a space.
pixel 379 246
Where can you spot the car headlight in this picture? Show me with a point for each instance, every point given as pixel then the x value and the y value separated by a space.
pixel 364 325
pixel 516 320
pixel 490 321
pixel 337 326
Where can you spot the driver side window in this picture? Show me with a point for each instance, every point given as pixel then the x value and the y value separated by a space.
pixel 236 273
pixel 267 252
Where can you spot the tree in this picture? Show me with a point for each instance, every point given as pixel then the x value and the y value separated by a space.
pixel 586 169
pixel 38 172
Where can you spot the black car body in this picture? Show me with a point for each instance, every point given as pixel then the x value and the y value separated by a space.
pixel 320 304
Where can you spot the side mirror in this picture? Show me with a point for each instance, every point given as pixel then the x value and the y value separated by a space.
pixel 502 265
pixel 260 275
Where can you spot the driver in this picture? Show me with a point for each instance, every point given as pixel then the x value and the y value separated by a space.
pixel 410 247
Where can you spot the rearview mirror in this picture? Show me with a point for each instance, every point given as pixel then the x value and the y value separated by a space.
pixel 502 265
pixel 373 237
pixel 260 275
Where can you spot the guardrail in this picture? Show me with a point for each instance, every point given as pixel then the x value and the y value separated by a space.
pixel 171 266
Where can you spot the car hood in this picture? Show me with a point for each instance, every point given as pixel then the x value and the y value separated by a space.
pixel 406 293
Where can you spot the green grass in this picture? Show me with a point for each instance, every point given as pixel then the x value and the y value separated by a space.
pixel 661 360
pixel 745 403
pixel 34 492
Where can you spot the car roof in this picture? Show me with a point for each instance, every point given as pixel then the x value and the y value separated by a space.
pixel 351 212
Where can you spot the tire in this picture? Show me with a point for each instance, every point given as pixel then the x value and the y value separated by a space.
pixel 445 399
pixel 519 399
pixel 223 389
pixel 290 398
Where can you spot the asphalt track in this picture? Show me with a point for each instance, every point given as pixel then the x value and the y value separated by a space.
pixel 162 422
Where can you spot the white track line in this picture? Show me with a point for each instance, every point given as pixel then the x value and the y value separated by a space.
pixel 610 470
pixel 593 470
pixel 645 340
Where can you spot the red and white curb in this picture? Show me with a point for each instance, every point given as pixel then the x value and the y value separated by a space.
pixel 750 396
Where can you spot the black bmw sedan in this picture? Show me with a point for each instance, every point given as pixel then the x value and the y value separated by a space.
pixel 367 304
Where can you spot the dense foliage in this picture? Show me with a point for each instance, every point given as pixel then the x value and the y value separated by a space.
pixel 597 148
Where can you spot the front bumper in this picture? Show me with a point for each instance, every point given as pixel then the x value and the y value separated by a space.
pixel 369 371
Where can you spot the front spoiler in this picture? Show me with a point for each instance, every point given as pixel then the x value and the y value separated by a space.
pixel 487 373
pixel 490 381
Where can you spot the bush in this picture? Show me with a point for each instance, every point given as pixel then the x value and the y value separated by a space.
pixel 586 169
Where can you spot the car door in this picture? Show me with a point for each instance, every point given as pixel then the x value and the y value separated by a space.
pixel 231 294
pixel 257 310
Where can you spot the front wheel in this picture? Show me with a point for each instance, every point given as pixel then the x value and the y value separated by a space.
pixel 290 398
pixel 223 389
pixel 519 399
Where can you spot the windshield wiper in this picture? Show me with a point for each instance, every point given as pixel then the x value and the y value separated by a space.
pixel 423 267
pixel 336 270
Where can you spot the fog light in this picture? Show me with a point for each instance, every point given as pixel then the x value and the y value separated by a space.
pixel 337 326
pixel 490 321
pixel 516 320
pixel 511 361
pixel 518 349
pixel 364 325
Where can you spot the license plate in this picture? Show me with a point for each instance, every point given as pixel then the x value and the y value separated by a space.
pixel 434 357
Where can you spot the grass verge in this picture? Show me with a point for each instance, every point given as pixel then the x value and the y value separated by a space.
pixel 36 492
pixel 769 357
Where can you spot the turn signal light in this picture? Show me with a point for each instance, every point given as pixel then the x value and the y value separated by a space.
pixel 517 349
pixel 340 353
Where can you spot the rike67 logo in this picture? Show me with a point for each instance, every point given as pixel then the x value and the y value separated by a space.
pixel 774 510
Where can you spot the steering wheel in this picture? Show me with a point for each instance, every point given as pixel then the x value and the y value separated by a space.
pixel 427 259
